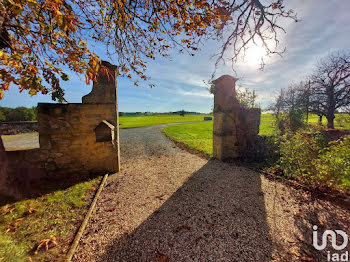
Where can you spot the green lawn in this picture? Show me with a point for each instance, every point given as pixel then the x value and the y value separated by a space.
pixel 200 135
pixel 138 121
pixel 51 219
pixel 267 124
pixel 196 135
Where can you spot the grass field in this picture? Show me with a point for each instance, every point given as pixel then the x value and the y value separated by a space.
pixel 51 219
pixel 200 135
pixel 138 121
pixel 267 121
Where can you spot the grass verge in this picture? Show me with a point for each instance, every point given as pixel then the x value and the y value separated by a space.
pixel 42 228
pixel 198 136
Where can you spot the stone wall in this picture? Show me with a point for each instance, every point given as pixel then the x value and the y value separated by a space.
pixel 68 141
pixel 22 173
pixel 13 128
pixel 67 132
pixel 236 128
pixel 76 141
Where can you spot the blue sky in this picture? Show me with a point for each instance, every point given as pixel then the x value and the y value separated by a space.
pixel 323 28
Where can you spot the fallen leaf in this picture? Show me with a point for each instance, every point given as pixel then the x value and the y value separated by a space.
pixel 20 219
pixel 293 253
pixel 11 227
pixel 92 188
pixel 308 259
pixel 298 214
pixel 162 258
pixel 45 244
pixel 32 210
pixel 9 211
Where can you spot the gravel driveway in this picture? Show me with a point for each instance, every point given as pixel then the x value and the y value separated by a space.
pixel 169 205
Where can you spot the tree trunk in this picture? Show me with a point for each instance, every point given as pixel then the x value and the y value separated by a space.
pixel 320 120
pixel 331 107
pixel 330 121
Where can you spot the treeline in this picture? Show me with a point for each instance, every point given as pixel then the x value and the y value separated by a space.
pixel 29 114
pixel 181 112
pixel 324 93
pixel 17 114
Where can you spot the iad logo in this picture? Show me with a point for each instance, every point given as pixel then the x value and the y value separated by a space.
pixel 331 256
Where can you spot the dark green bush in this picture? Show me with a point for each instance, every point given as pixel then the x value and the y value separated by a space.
pixel 333 164
pixel 297 155
pixel 291 121
pixel 296 119
pixel 305 159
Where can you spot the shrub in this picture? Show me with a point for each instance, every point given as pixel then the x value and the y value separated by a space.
pixel 319 134
pixel 333 164
pixel 267 150
pixel 296 119
pixel 304 158
pixel 293 120
pixel 298 153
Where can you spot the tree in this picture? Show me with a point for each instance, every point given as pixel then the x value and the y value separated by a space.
pixel 278 107
pixel 17 114
pixel 20 114
pixel 182 112
pixel 289 107
pixel 246 97
pixel 330 86
pixel 2 116
pixel 302 96
pixel 289 99
pixel 40 39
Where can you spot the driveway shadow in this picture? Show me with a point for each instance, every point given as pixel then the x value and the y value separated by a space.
pixel 326 214
pixel 218 214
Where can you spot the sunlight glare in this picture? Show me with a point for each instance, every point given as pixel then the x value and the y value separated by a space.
pixel 253 55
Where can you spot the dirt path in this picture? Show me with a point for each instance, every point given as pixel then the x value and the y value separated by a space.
pixel 169 205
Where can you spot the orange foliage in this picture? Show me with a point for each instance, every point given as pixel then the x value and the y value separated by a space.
pixel 39 39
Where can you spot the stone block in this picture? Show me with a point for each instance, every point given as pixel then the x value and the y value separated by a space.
pixel 98 116
pixel 44 141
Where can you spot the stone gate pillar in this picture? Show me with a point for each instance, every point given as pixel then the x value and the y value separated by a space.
pixel 104 90
pixel 235 128
pixel 83 137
